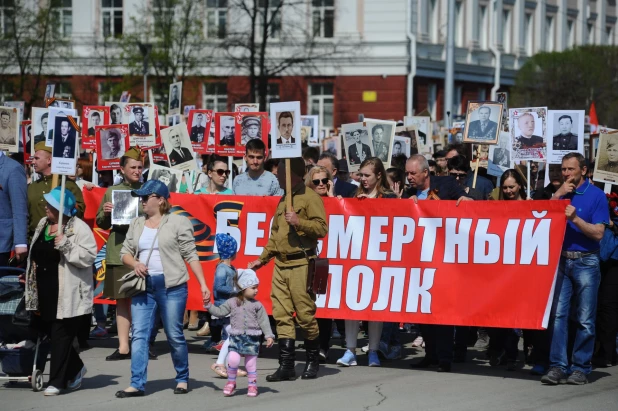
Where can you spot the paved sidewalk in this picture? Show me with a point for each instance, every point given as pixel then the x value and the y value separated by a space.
pixel 471 386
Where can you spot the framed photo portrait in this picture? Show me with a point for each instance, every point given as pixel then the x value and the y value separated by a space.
pixel 171 177
pixel 401 145
pixel 125 207
pixel 225 133
pixel 500 157
pixel 157 155
pixel 483 122
pixel 26 140
pixel 606 163
pixel 565 134
pixel 382 133
pixel 313 138
pixel 112 142
pixel 60 103
pixel 528 128
pixel 116 110
pixel 423 128
pixel 51 123
pixel 199 123
pixel 250 126
pixel 178 147
pixel 40 117
pixel 140 118
pixel 93 116
pixel 187 109
pixel 9 129
pixel 247 108
pixel 49 90
pixel 332 145
pixel 125 97
pixel 503 98
pixel 358 144
pixel 65 147
pixel 285 129
pixel 175 98
pixel 410 133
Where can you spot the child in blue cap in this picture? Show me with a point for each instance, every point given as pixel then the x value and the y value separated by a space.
pixel 222 291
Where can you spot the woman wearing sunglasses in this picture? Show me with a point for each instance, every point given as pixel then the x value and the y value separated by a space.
pixel 374 184
pixel 320 180
pixel 218 173
pixel 156 247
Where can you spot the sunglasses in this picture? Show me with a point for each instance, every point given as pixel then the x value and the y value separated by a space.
pixel 317 182
pixel 221 171
pixel 148 197
pixel 458 175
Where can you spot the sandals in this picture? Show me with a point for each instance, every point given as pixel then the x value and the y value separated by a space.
pixel 220 370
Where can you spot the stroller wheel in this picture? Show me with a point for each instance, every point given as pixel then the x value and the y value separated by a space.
pixel 37 381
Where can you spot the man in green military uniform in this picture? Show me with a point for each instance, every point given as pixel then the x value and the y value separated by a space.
pixel 294 233
pixel 36 189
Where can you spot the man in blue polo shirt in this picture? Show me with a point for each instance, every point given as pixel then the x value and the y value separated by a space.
pixel 578 273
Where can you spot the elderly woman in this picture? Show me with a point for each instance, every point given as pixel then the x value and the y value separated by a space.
pixel 320 180
pixel 156 247
pixel 59 285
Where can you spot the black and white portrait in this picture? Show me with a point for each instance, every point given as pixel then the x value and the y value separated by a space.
pixel 115 113
pixel 226 129
pixel 198 128
pixel 528 128
pixel 9 129
pixel 175 98
pixel 138 121
pixel 125 207
pixel 95 119
pixel 411 133
pixel 565 133
pixel 483 122
pixel 382 136
pixel 39 123
pixel 49 90
pixel 359 147
pixel 500 155
pixel 64 138
pixel 178 147
pixel 246 108
pixel 171 177
pixel 251 129
pixel 112 144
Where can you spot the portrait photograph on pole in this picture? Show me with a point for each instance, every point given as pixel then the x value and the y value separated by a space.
pixel 51 123
pixel 606 163
pixel 250 126
pixel 140 118
pixel 175 98
pixel 93 116
pixel 483 122
pixel 285 129
pixel 65 149
pixel 313 122
pixel 178 147
pixel 528 128
pixel 9 129
pixel 112 142
pixel 26 143
pixel 332 145
pixel 199 123
pixel 225 133
pixel 565 133
pixel 382 133
pixel 116 110
pixel 500 157
pixel 358 144
pixel 410 133
pixel 247 108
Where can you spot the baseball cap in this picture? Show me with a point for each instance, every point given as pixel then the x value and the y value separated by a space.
pixel 152 187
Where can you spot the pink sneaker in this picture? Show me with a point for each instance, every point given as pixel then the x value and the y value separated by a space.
pixel 253 391
pixel 229 389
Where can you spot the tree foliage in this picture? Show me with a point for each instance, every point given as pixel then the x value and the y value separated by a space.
pixel 571 79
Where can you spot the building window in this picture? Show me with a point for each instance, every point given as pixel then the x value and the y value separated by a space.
pixel 506 30
pixel 7 10
pixel 163 12
pixel 272 95
pixel 570 34
pixel 63 90
pixel 215 97
pixel 273 8
pixel 483 28
pixel 549 33
pixel 432 99
pixel 323 18
pixel 216 19
pixel 457 101
pixel 112 18
pixel 63 13
pixel 482 94
pixel 529 34
pixel 590 33
pixel 609 31
pixel 321 101
pixel 434 22
pixel 460 15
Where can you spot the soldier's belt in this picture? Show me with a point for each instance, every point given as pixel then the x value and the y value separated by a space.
pixel 295 256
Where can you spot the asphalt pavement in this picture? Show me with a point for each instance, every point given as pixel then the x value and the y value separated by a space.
pixel 473 385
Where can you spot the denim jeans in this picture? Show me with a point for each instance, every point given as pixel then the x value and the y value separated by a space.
pixel 171 303
pixel 390 334
pixel 580 285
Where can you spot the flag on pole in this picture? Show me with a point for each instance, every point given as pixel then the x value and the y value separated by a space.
pixel 594 121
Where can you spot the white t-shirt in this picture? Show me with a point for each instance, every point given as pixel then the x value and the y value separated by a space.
pixel 145 241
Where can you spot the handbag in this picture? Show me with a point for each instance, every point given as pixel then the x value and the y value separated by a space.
pixel 133 284
pixel 317 271
pixel 22 317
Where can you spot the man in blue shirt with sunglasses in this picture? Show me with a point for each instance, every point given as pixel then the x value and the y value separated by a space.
pixel 578 275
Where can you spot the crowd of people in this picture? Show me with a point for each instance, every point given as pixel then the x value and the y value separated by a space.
pixel 160 248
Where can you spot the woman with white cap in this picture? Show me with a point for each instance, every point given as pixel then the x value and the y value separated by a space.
pixel 156 247
pixel 60 266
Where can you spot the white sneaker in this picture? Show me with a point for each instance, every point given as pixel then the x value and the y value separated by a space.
pixel 77 381
pixel 365 349
pixel 418 341
pixel 51 391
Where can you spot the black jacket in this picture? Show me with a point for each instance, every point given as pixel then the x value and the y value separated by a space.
pixel 445 187
pixel 344 189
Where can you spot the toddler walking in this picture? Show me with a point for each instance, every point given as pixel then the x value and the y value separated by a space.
pixel 248 320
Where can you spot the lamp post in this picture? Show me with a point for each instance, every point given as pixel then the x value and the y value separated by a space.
pixel 145 49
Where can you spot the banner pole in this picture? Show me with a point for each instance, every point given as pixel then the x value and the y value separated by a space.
pixel 288 186
pixel 528 177
pixel 63 183
pixel 230 164
pixel 95 175
pixel 476 172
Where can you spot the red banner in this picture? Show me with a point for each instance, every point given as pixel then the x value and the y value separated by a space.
pixel 486 263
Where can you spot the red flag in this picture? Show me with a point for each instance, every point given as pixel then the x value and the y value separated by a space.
pixel 594 121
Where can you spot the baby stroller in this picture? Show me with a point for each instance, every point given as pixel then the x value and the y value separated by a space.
pixel 26 361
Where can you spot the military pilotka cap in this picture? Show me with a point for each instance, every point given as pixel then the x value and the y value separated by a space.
pixel 133 153
pixel 41 146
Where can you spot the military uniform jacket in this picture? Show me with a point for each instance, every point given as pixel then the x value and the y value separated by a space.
pixel 36 202
pixel 118 232
pixel 284 241
pixel 565 142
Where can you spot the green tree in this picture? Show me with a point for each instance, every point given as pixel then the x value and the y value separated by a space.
pixel 571 79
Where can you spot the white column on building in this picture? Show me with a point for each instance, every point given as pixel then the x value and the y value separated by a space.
pixel 581 23
pixel 541 22
pixel 424 19
pixel 600 35
pixel 562 31
pixel 499 20
pixel 472 20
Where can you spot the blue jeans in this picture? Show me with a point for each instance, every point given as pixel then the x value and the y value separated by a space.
pixel 580 285
pixel 171 303
pixel 390 334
